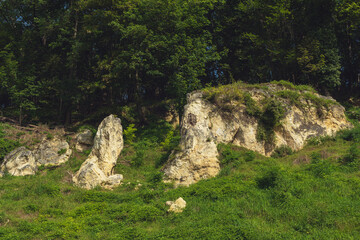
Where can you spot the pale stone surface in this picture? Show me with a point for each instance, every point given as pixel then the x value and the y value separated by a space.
pixel 84 140
pixel 19 162
pixel 204 125
pixel 177 206
pixel 98 168
pixel 52 152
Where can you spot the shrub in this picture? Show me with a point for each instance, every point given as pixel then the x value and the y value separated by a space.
pixel 155 178
pixel 249 156
pixel 144 213
pixel 282 151
pixel 252 109
pixel 269 178
pixel 88 127
pixel 62 151
pixel 353 155
pixel 129 134
pixel 49 136
pixel 227 154
pixel 225 171
pixel 270 118
pixel 353 113
pixel 6 146
pixel 319 167
pixel 350 134
pixel 30 208
pixel 47 189
pixel 170 141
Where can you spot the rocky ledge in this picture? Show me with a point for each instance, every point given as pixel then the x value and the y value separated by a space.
pixel 258 117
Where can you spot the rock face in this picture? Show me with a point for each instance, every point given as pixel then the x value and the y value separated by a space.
pixel 205 125
pixel 177 206
pixel 52 152
pixel 19 162
pixel 98 168
pixel 84 140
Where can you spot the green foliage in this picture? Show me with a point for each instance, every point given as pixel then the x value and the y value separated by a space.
pixel 6 146
pixel 352 157
pixel 252 109
pixel 228 155
pixel 282 151
pixel 49 136
pixel 62 151
pixel 353 113
pixel 170 141
pixel 271 116
pixel 320 168
pixel 352 134
pixel 249 156
pixel 269 179
pixel 291 86
pixel 129 134
pixel 87 127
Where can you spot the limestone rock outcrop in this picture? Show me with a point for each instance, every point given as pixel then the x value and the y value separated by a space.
pixel 52 152
pixel 19 162
pixel 205 124
pixel 177 206
pixel 84 140
pixel 98 168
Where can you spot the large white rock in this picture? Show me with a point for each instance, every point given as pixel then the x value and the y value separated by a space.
pixel 52 152
pixel 98 168
pixel 204 125
pixel 19 162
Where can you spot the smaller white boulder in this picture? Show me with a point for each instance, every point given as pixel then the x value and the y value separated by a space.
pixel 19 162
pixel 52 152
pixel 177 206
pixel 84 140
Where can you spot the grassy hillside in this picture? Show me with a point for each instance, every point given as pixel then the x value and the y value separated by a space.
pixel 310 194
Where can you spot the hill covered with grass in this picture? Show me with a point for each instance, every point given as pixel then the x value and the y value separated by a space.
pixel 313 193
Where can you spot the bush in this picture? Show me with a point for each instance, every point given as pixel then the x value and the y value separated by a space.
pixel 47 189
pixel 49 136
pixel 282 151
pixel 171 141
pixel 249 156
pixel 319 167
pixel 227 155
pixel 155 178
pixel 225 171
pixel 269 179
pixel 350 134
pixel 88 127
pixel 270 118
pixel 6 146
pixel 252 109
pixel 353 113
pixel 353 155
pixel 129 134
pixel 62 151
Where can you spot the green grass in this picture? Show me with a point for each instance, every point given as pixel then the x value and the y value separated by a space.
pixel 254 197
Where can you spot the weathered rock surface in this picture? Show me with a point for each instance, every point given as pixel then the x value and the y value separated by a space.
pixel 84 140
pixel 205 125
pixel 177 206
pixel 19 162
pixel 98 168
pixel 52 152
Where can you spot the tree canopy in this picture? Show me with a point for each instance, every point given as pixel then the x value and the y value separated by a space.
pixel 60 57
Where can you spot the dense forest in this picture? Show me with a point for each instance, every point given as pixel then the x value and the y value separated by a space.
pixel 63 59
